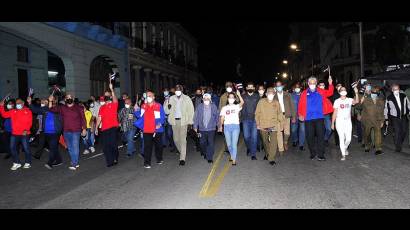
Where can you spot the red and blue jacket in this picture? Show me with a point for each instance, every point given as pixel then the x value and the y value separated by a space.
pixel 159 114
pixel 21 120
pixel 326 105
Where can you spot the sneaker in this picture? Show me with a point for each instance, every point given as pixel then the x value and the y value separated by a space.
pixel 343 158
pixel 160 162
pixel 27 166
pixel 312 157
pixel 272 162
pixel 57 164
pixel 92 149
pixel 367 150
pixel 295 144
pixel 72 168
pixel 86 152
pixel 15 166
pixel 265 158
pixel 321 158
pixel 210 161
pixel 48 166
pixel 378 152
pixel 302 148
pixel 182 162
pixel 47 150
pixel 147 166
pixel 254 158
pixel 77 166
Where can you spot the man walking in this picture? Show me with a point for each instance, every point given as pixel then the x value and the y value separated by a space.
pixel 396 110
pixel 313 104
pixel 297 128
pixel 127 119
pixel 151 119
pixel 250 133
pixel 181 114
pixel 268 117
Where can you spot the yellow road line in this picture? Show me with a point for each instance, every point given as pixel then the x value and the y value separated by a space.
pixel 210 189
pixel 211 174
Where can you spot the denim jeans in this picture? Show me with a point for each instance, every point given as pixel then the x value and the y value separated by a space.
pixel 167 139
pixel 328 129
pixel 88 142
pixel 129 137
pixel 250 135
pixel 298 132
pixel 72 140
pixel 14 141
pixel 231 132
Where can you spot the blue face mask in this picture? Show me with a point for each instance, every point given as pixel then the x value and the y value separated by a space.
pixel 19 106
pixel 368 88
pixel 279 88
pixel 374 95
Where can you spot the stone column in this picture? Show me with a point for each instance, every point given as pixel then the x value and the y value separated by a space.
pixel 164 78
pixel 137 76
pixel 157 85
pixel 147 79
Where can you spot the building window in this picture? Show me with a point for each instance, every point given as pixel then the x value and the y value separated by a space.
pixel 22 54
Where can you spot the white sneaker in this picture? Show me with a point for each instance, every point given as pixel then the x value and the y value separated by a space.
pixel 15 166
pixel 77 166
pixel 72 168
pixel 92 149
pixel 343 158
pixel 27 166
pixel 86 152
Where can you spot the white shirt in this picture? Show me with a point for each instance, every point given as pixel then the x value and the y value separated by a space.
pixel 398 100
pixel 344 108
pixel 178 112
pixel 231 114
pixel 282 106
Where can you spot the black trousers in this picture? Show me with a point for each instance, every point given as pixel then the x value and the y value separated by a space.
pixel 110 148
pixel 5 140
pixel 42 142
pixel 315 137
pixel 149 142
pixel 400 127
pixel 54 156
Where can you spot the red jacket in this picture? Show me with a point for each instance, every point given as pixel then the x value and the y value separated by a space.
pixel 21 120
pixel 327 105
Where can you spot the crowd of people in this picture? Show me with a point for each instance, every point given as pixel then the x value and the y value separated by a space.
pixel 269 117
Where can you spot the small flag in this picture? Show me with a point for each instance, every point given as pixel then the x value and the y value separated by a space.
pixel 327 69
pixel 30 92
pixel 55 88
pixel 354 84
pixel 112 77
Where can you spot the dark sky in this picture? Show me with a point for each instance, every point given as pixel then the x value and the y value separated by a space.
pixel 260 46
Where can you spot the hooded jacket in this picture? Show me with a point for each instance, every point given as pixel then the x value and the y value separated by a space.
pixel 21 120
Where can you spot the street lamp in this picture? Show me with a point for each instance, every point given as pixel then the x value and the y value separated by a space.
pixel 293 46
pixel 285 62
pixel 284 75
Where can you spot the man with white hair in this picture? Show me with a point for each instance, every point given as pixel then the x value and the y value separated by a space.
pixel 206 120
pixel 311 109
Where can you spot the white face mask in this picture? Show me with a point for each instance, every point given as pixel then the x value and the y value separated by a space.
pixel 166 93
pixel 178 93
pixel 322 87
pixel 396 92
pixel 261 92
pixel 312 87
pixel 297 90
pixel 42 105
pixel 19 106
pixel 149 99
pixel 92 105
pixel 343 93
pixel 229 89
pixel 127 106
pixel 231 101
pixel 102 103
pixel 9 106
pixel 207 102
pixel 270 97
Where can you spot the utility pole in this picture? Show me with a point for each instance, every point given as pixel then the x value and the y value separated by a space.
pixel 361 50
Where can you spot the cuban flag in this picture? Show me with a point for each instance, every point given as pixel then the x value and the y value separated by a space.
pixel 112 77
pixel 30 92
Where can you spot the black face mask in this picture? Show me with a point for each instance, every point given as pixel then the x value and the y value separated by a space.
pixel 199 95
pixel 69 101
pixel 250 90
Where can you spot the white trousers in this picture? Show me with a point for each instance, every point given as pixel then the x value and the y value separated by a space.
pixel 344 130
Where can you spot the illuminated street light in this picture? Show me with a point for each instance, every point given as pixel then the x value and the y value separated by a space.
pixel 294 46
pixel 284 75
pixel 285 62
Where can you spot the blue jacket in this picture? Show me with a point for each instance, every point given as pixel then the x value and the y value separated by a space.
pixel 296 98
pixel 159 117
pixel 56 126
pixel 7 125
pixel 199 117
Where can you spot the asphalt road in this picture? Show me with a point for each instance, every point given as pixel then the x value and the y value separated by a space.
pixel 362 181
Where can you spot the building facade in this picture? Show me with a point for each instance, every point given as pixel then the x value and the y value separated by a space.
pixel 79 56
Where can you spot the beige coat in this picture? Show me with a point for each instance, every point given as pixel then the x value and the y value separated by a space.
pixel 187 110
pixel 268 114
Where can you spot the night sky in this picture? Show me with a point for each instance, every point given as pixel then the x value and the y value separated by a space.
pixel 260 47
